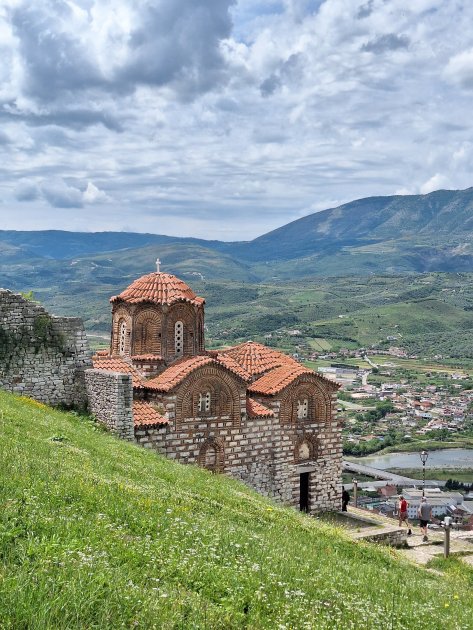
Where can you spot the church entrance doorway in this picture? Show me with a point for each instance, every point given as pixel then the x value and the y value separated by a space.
pixel 304 492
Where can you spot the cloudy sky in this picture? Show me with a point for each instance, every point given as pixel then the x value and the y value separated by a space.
pixel 227 118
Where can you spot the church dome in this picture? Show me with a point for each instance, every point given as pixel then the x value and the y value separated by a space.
pixel 158 288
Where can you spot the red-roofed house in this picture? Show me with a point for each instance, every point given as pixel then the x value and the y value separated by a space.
pixel 248 411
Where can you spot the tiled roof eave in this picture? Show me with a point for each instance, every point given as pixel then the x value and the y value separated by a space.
pixel 150 425
pixel 156 388
pixel 275 381
pixel 255 409
pixel 157 425
pixel 269 392
pixel 179 380
pixel 116 299
pixel 145 416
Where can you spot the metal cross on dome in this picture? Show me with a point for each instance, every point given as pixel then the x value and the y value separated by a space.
pixel 158 265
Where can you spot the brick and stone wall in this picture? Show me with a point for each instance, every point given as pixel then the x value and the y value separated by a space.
pixel 110 400
pixel 265 453
pixel 261 452
pixel 151 330
pixel 42 356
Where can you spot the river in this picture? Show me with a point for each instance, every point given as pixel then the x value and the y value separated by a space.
pixel 446 458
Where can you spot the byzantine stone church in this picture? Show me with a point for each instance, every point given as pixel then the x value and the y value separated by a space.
pixel 248 411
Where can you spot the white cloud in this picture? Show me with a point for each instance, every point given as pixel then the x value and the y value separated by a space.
pixel 460 69
pixel 68 49
pixel 93 195
pixel 215 118
pixel 436 182
pixel 27 191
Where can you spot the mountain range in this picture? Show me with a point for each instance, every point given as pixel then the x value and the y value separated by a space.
pixel 402 233
pixel 351 261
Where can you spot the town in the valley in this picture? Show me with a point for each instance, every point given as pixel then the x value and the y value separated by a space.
pixel 388 401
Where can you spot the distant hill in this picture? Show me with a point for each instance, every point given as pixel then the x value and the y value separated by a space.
pixel 440 219
pixel 410 233
pixel 60 244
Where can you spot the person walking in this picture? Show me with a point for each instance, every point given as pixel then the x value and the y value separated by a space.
pixel 402 509
pixel 345 499
pixel 425 516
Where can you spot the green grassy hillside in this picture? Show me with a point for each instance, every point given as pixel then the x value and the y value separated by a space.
pixel 98 533
pixel 429 314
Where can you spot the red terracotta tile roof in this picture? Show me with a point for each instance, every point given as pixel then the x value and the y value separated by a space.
pixel 158 288
pixel 144 415
pixel 254 409
pixel 117 364
pixel 146 357
pixel 277 379
pixel 178 371
pixel 257 359
pixel 231 364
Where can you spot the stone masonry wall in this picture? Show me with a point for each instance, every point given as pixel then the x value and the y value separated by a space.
pixel 110 400
pixel 261 453
pixel 42 356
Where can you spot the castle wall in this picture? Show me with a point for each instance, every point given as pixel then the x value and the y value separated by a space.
pixel 110 400
pixel 42 356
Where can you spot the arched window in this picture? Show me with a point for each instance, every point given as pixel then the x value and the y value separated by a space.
pixel 211 455
pixel 302 408
pixel 210 460
pixel 122 337
pixel 204 402
pixel 179 338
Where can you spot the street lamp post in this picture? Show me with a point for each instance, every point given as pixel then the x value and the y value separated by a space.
pixel 423 458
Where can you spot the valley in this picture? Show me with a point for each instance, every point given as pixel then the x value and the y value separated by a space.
pixel 375 272
pixel 428 315
pixel 381 280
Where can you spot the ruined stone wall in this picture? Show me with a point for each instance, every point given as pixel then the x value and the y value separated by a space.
pixel 110 400
pixel 260 452
pixel 42 356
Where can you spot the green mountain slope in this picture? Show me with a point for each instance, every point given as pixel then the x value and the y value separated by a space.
pixel 98 533
pixel 427 314
pixel 59 244
pixel 430 226
pixel 406 233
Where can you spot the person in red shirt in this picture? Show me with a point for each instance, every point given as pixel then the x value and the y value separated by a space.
pixel 402 509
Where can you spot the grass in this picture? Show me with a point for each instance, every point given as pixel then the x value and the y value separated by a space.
pixel 415 365
pixel 464 475
pixel 453 566
pixel 99 533
pixel 348 478
pixel 427 445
